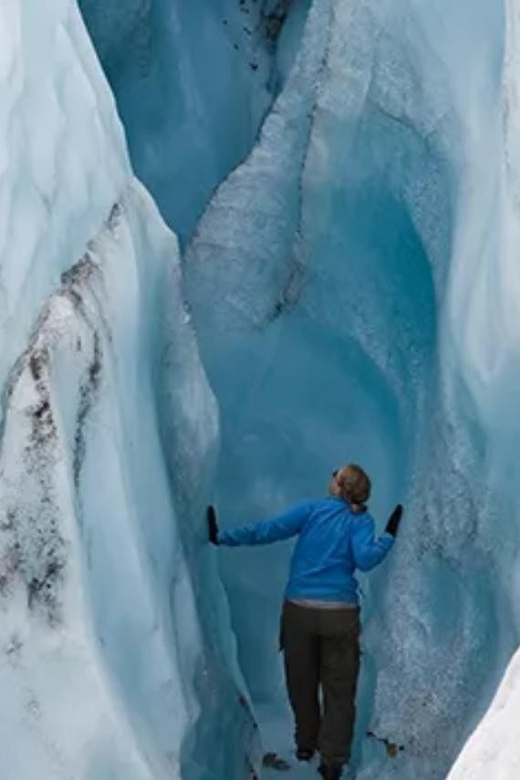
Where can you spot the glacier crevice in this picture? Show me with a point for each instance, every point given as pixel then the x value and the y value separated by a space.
pixel 354 288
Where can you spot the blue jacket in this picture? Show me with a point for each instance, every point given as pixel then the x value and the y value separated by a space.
pixel 332 543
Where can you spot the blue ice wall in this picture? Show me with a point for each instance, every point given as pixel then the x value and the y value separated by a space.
pixel 193 82
pixel 332 252
pixel 348 281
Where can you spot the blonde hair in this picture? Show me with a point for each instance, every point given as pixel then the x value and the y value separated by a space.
pixel 354 485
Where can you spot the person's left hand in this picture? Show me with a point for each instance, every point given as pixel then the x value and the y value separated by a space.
pixel 394 521
pixel 211 516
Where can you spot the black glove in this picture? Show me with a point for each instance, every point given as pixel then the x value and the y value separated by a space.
pixel 392 526
pixel 211 516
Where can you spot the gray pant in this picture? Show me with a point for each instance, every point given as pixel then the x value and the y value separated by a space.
pixel 321 650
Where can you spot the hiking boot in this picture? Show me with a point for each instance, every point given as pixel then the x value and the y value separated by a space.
pixel 330 771
pixel 305 755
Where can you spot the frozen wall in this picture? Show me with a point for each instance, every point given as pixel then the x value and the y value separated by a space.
pixel 193 82
pixel 363 258
pixel 116 659
pixel 489 348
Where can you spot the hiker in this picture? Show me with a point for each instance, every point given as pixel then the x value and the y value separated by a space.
pixel 320 625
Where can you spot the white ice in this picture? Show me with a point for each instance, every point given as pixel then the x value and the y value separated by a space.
pixel 492 751
pixel 116 656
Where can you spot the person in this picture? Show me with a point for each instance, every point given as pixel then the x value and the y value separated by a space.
pixel 320 626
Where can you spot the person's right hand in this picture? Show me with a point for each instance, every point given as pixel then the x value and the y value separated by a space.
pixel 394 520
pixel 211 516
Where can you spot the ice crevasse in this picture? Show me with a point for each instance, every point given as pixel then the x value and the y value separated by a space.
pixel 353 282
pixel 110 637
pixel 365 255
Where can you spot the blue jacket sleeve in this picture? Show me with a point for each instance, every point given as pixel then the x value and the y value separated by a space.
pixel 367 550
pixel 281 527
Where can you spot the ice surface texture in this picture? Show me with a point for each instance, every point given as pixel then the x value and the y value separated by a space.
pixel 193 82
pixel 354 287
pixel 114 636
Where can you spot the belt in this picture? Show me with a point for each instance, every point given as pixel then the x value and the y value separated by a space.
pixel 320 604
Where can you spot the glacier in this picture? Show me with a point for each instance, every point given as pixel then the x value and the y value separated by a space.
pixel 117 660
pixel 351 254
pixel 343 179
pixel 354 255
pixel 191 117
